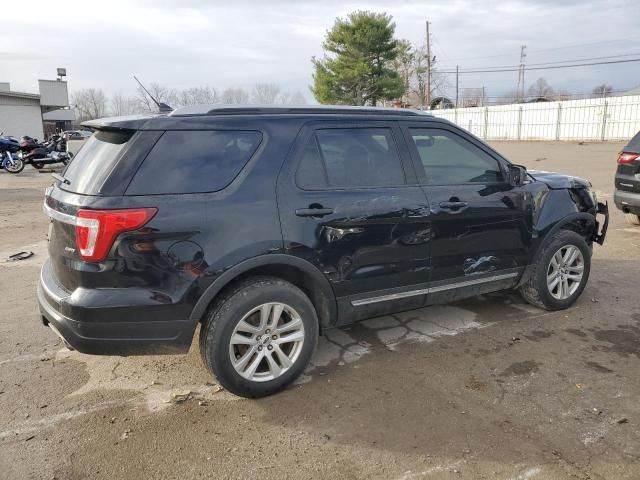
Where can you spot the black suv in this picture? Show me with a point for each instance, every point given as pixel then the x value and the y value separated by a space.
pixel 627 181
pixel 269 225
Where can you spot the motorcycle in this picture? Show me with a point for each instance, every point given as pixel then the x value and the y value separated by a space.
pixel 9 158
pixel 39 155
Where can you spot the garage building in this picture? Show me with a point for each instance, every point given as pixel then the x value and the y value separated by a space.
pixel 35 114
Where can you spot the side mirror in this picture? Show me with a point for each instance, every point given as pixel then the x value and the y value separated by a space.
pixel 517 175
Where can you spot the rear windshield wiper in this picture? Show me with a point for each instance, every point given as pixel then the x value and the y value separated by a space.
pixel 60 178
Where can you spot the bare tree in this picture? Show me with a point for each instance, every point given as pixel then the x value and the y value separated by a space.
pixel 603 90
pixel 121 104
pixel 265 93
pixel 413 67
pixel 90 103
pixel 296 99
pixel 197 95
pixel 541 89
pixel 235 96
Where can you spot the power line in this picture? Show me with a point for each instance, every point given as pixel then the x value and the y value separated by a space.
pixel 560 61
pixel 551 67
pixel 565 47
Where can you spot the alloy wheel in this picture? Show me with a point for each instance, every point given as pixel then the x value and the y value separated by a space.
pixel 266 342
pixel 565 272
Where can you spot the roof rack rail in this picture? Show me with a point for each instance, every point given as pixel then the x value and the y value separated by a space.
pixel 290 110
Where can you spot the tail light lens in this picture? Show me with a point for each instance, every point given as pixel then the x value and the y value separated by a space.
pixel 626 157
pixel 96 230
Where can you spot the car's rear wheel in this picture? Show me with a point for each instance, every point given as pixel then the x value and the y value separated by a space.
pixel 632 218
pixel 259 336
pixel 560 272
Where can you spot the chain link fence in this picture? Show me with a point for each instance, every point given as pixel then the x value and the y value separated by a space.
pixel 600 119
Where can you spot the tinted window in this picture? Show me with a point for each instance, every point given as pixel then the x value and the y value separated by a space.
pixel 194 161
pixel 448 159
pixel 634 143
pixel 94 161
pixel 351 158
pixel 311 173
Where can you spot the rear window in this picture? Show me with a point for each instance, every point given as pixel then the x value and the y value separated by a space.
pixel 634 144
pixel 94 161
pixel 194 161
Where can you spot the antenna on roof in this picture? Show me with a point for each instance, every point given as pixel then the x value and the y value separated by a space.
pixel 162 107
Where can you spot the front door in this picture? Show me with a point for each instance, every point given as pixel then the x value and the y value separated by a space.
pixel 481 225
pixel 347 207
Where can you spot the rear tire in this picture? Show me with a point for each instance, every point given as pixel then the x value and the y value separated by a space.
pixel 37 165
pixel 560 272
pixel 259 336
pixel 632 218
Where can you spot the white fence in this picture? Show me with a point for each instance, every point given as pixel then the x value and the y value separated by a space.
pixel 612 118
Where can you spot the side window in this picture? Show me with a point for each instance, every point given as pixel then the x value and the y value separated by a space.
pixel 194 161
pixel 449 159
pixel 311 174
pixel 359 157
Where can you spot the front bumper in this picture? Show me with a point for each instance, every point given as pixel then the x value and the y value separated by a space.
pixel 628 202
pixel 600 232
pixel 99 333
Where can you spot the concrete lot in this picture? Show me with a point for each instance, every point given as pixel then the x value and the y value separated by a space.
pixel 486 388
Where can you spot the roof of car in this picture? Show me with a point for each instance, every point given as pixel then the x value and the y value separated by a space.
pixel 222 109
pixel 217 112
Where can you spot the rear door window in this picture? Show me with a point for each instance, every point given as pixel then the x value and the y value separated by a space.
pixel 94 162
pixel 350 158
pixel 194 161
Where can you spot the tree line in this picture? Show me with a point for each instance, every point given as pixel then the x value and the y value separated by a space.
pixel 91 103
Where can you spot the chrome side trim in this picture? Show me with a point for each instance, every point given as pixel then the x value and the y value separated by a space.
pixel 56 215
pixel 424 291
pixel 468 283
pixel 391 296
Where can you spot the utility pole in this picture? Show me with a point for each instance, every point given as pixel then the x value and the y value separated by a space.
pixel 457 77
pixel 520 88
pixel 428 95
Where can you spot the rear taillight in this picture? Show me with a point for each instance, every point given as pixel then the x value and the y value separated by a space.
pixel 96 230
pixel 626 157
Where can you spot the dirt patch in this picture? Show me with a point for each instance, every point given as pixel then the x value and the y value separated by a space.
pixel 596 367
pixel 521 368
pixel 623 341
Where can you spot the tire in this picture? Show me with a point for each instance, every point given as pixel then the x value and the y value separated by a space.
pixel 632 218
pixel 537 290
pixel 19 166
pixel 240 310
pixel 37 165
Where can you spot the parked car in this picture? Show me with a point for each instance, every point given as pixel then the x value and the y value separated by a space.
pixel 269 226
pixel 627 181
pixel 76 134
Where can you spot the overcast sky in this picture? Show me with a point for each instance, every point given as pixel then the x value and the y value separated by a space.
pixel 184 43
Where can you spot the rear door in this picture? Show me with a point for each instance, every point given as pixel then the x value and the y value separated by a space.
pixel 349 204
pixel 481 226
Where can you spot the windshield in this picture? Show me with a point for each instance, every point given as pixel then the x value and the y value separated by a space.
pixel 94 162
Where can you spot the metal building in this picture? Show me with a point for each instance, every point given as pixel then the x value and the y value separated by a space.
pixel 35 114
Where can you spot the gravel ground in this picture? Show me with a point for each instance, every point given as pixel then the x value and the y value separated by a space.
pixel 485 388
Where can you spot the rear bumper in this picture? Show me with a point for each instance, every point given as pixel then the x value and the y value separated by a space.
pixel 628 202
pixel 101 334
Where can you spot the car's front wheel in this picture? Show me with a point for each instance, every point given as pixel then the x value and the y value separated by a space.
pixel 259 336
pixel 560 272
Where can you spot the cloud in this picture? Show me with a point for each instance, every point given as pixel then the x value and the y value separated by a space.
pixel 182 43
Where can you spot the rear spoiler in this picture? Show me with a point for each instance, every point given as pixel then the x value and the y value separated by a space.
pixel 129 122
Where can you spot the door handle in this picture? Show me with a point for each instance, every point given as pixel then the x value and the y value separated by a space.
pixel 453 205
pixel 313 212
